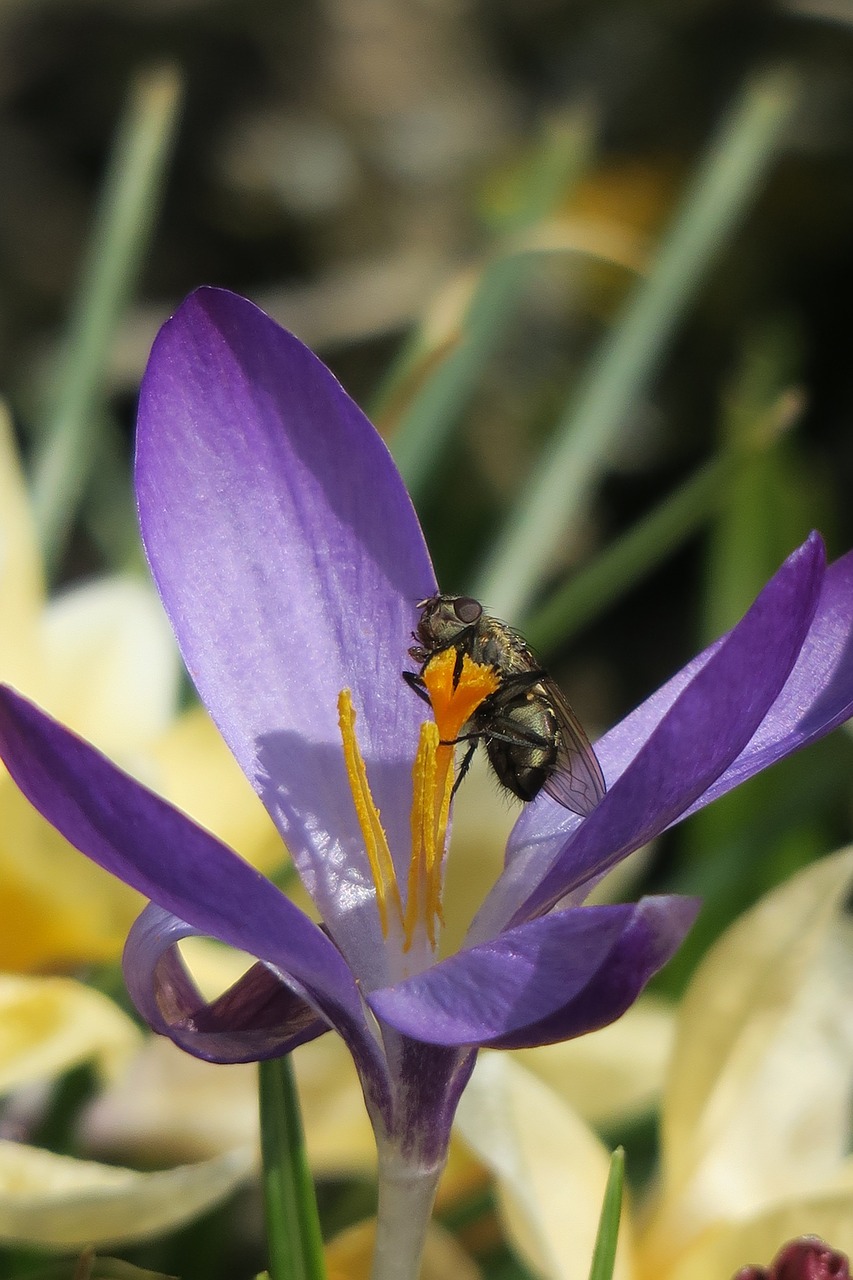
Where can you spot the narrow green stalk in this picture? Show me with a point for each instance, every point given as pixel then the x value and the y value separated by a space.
pixel 424 430
pixel 553 500
pixel 604 1253
pixel 632 556
pixel 290 1205
pixel 648 542
pixel 67 445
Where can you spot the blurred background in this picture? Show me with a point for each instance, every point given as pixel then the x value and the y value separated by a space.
pixel 507 226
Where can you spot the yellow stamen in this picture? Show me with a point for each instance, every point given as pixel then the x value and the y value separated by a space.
pixel 375 840
pixel 453 704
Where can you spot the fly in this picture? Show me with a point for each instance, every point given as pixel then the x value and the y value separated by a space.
pixel 533 739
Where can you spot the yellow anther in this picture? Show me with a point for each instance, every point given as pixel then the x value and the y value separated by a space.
pixel 375 840
pixel 432 784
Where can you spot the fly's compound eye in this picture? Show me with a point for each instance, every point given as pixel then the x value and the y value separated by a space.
pixel 467 610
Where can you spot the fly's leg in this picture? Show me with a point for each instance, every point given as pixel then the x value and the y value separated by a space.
pixel 415 682
pixel 515 738
pixel 464 766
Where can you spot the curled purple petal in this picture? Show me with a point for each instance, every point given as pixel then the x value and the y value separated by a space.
pixel 569 967
pixel 290 560
pixel 706 726
pixel 258 1017
pixel 138 837
pixel 651 938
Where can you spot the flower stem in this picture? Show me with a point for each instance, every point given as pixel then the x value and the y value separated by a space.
pixel 290 1206
pixel 406 1195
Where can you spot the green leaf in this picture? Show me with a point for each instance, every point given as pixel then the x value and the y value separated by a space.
pixel 556 494
pixel 68 444
pixel 290 1205
pixel 604 1254
pixel 428 421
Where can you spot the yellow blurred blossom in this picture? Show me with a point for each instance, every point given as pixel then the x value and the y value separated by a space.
pixel 349 1256
pixel 101 658
pixel 49 1025
pixel 755 1113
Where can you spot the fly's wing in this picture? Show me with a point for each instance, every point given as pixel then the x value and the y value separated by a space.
pixel 577 782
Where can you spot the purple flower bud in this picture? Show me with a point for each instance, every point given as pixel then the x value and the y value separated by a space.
pixel 806 1258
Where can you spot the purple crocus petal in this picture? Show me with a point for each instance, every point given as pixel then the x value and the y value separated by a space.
pixel 258 1017
pixel 705 727
pixel 566 969
pixel 142 840
pixel 654 933
pixel 818 695
pixel 290 561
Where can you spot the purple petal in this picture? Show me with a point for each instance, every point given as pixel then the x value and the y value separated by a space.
pixel 140 838
pixel 818 695
pixel 564 973
pixel 651 938
pixel 258 1017
pixel 290 560
pixel 702 728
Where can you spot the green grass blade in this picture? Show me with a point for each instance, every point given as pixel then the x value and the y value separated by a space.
pixel 426 426
pixel 556 493
pixel 648 543
pixel 604 1253
pixel 290 1205
pixel 67 441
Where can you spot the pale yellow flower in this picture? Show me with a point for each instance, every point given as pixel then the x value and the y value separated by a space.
pixel 47 1026
pixel 755 1113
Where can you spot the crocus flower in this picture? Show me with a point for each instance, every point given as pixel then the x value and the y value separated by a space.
pixel 290 561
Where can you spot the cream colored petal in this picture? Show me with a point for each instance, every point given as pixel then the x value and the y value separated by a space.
pixel 349 1255
pixel 550 1168
pixel 48 1025
pixel 55 1201
pixel 757 1106
pixel 169 1106
pixel 59 909
pixel 113 664
pixel 614 1073
pixel 722 1250
pixel 192 767
pixel 21 578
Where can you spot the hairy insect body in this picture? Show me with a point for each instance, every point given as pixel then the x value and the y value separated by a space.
pixel 531 735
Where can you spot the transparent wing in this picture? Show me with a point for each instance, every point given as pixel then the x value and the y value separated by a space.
pixel 577 782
